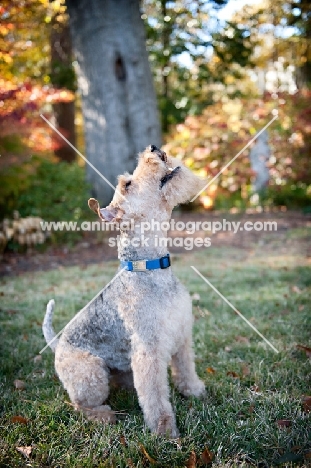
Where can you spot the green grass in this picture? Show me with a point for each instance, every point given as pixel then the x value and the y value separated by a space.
pixel 237 421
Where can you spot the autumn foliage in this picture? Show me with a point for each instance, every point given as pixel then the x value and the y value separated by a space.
pixel 208 142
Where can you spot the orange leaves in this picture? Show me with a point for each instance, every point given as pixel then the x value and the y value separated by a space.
pixel 204 459
pixel 151 460
pixel 19 420
pixel 192 460
pixel 20 106
pixel 306 402
pixel 245 371
pixel 227 126
pixel 306 349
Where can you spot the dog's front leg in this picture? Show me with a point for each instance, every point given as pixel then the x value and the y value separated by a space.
pixel 151 383
pixel 183 371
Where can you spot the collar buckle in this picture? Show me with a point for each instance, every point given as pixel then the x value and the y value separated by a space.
pixel 140 265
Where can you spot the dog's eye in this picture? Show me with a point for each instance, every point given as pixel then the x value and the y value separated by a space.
pixel 128 184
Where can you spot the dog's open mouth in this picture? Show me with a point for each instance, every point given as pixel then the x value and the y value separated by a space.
pixel 169 175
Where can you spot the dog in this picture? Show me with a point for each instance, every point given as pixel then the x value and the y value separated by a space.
pixel 142 322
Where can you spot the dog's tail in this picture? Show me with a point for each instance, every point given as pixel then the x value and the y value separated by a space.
pixel 47 327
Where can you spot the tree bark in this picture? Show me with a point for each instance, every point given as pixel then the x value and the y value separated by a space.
pixel 62 76
pixel 118 100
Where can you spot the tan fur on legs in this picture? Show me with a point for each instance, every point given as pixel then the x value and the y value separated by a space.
pixel 183 372
pixel 150 380
pixel 86 380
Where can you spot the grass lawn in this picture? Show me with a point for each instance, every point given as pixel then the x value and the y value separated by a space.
pixel 253 413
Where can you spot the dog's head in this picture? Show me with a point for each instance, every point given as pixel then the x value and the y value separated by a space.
pixel 158 183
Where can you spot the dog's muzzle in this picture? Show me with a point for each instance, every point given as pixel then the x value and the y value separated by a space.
pixel 160 153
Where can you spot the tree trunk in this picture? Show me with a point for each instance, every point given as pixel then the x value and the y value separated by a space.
pixel 118 99
pixel 62 76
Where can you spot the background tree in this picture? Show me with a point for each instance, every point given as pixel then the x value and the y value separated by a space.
pixel 279 33
pixel 118 100
pixel 63 76
pixel 297 15
pixel 183 37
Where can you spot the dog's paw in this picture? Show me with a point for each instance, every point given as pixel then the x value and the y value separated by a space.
pixel 167 427
pixel 199 389
pixel 196 389
pixel 102 413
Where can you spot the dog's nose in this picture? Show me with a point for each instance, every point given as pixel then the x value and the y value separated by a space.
pixel 153 148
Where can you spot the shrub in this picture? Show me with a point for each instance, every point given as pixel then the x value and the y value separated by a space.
pixel 55 191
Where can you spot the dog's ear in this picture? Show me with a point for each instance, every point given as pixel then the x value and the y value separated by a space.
pixel 110 214
pixel 183 185
pixel 94 206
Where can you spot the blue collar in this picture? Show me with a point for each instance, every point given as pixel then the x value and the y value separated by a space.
pixel 144 265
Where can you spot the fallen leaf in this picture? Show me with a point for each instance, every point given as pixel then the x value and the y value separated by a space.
pixel 149 458
pixel 284 422
pixel 307 455
pixel 251 409
pixel 306 349
pixel 210 370
pixel 245 370
pixel 26 451
pixel 255 388
pixel 228 349
pixel 37 358
pixel 296 290
pixel 296 448
pixel 242 339
pixel 306 401
pixel 19 384
pixel 19 419
pixel 123 440
pixel 206 457
pixel 192 460
pixel 130 463
pixel 301 307
pixel 233 374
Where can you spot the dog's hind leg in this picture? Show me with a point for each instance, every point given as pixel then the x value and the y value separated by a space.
pixel 86 379
pixel 183 371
